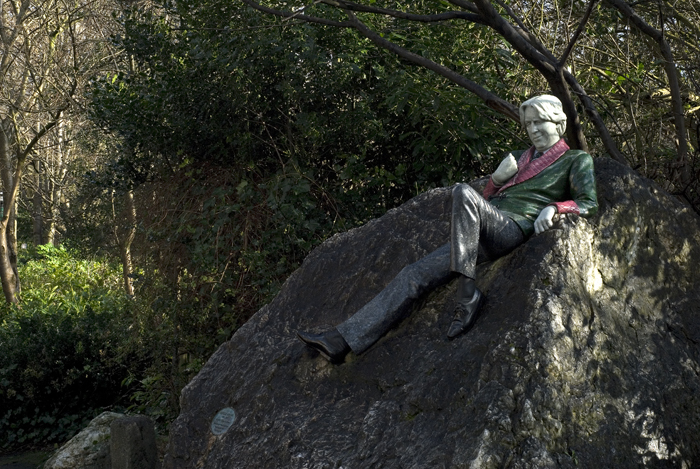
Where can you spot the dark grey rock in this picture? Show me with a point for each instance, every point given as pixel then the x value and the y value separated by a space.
pixel 133 443
pixel 587 352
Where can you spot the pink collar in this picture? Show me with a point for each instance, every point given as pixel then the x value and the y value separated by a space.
pixel 528 169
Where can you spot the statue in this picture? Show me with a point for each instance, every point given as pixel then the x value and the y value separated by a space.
pixel 521 198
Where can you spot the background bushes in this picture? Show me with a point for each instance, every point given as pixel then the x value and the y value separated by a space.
pixel 65 350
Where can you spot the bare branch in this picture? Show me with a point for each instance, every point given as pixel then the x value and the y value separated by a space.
pixel 521 29
pixel 21 93
pixel 449 15
pixel 513 16
pixel 579 30
pixel 595 118
pixel 30 146
pixel 469 6
pixel 529 52
pixel 623 7
pixel 3 27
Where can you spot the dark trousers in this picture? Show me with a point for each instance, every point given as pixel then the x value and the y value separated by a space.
pixel 479 232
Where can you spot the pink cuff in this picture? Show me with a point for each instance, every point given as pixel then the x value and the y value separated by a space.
pixel 490 189
pixel 566 207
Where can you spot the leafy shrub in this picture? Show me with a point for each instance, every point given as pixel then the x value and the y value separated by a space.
pixel 62 351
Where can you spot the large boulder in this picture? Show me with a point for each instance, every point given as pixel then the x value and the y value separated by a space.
pixel 587 352
pixel 132 443
pixel 89 449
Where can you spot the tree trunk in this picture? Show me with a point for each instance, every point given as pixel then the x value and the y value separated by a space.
pixel 57 184
pixel 574 131
pixel 8 239
pixel 12 244
pixel 55 214
pixel 37 215
pixel 51 232
pixel 124 233
pixel 8 277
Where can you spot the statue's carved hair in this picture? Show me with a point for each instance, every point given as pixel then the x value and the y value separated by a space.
pixel 549 108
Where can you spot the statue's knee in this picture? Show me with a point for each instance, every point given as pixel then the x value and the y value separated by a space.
pixel 463 193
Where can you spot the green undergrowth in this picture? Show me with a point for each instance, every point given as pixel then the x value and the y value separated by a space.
pixel 65 350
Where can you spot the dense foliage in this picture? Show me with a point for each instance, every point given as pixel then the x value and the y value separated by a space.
pixel 65 351
pixel 627 70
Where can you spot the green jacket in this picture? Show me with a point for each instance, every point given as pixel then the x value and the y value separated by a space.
pixel 568 183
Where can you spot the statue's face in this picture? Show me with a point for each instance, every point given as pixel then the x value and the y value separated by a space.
pixel 543 133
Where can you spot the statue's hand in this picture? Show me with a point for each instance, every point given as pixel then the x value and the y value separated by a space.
pixel 544 220
pixel 506 170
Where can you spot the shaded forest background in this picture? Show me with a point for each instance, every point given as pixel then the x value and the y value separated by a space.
pixel 167 164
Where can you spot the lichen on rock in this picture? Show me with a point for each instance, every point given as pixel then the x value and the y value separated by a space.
pixel 89 449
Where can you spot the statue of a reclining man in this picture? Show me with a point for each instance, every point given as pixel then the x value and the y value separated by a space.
pixel 520 198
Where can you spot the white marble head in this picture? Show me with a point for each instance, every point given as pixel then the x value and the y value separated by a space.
pixel 544 120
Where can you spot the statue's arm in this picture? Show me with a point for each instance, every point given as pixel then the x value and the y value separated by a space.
pixel 490 189
pixel 505 171
pixel 582 188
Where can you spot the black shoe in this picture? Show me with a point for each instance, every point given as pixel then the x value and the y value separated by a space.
pixel 466 311
pixel 331 344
